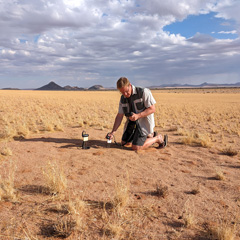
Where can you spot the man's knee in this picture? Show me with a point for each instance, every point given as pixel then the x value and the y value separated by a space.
pixel 136 147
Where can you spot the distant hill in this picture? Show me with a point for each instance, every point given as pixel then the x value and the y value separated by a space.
pixel 10 89
pixel 69 88
pixel 51 86
pixel 96 87
pixel 203 85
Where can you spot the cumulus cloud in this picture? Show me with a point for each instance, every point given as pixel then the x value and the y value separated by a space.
pixel 95 41
pixel 201 38
pixel 228 32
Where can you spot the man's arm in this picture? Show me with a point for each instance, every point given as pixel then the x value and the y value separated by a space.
pixel 143 114
pixel 116 124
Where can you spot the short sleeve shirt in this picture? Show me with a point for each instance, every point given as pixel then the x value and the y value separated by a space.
pixel 147 124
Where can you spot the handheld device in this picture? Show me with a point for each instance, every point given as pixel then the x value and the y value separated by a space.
pixel 109 141
pixel 129 114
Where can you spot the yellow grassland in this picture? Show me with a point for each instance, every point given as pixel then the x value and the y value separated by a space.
pixel 204 118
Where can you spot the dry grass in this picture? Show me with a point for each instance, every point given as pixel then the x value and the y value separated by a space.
pixel 222 229
pixel 161 190
pixel 62 228
pixel 200 120
pixel 229 151
pixel 6 151
pixel 7 187
pixel 55 178
pixel 196 190
pixel 121 194
pixel 195 139
pixel 77 208
pixel 41 111
pixel 219 175
pixel 188 215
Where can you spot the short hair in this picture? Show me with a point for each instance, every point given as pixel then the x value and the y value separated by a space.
pixel 122 82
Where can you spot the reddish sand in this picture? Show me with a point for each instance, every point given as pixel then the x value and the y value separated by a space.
pixel 92 173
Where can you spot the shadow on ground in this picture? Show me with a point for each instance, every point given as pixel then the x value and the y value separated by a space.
pixel 70 142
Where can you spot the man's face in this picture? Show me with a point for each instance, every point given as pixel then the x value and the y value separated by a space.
pixel 126 91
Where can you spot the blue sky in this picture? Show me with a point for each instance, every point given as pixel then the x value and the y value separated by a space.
pixel 87 42
pixel 219 28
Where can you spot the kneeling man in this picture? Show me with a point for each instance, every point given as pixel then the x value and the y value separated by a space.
pixel 138 105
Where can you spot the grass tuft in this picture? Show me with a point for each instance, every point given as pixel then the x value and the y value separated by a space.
pixel 161 190
pixel 229 152
pixel 219 175
pixel 7 190
pixel 121 196
pixel 223 230
pixel 55 178
pixel 196 139
pixel 62 228
pixel 113 231
pixel 188 215
pixel 6 151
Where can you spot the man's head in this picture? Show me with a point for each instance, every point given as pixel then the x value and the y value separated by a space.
pixel 124 86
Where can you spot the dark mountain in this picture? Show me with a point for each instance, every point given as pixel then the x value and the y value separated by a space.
pixel 69 88
pixel 51 86
pixel 96 87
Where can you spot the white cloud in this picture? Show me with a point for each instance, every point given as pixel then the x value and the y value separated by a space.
pixel 229 9
pixel 89 41
pixel 137 53
pixel 228 32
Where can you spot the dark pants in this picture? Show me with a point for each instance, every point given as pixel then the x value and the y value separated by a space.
pixel 133 134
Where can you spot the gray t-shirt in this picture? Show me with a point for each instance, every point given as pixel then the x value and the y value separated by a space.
pixel 147 124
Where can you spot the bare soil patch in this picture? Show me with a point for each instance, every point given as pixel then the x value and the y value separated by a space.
pixel 172 193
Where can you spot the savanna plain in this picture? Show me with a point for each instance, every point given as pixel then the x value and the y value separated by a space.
pixel 51 188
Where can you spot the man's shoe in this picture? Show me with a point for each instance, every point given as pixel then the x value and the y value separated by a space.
pixel 165 142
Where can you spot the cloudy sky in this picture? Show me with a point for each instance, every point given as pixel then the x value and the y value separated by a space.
pixel 87 42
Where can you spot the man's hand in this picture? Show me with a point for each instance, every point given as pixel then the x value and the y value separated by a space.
pixel 143 114
pixel 110 135
pixel 134 117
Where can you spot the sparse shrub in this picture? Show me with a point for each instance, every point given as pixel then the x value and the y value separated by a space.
pixel 55 178
pixel 113 230
pixel 7 189
pixel 63 228
pixel 219 175
pixel 196 139
pixel 80 123
pixel 229 152
pixel 121 196
pixel 58 126
pixel 221 230
pixel 48 126
pixel 77 207
pixel 6 151
pixel 188 219
pixel 181 132
pixel 196 190
pixel 188 215
pixel 161 190
pixel 22 130
pixel 6 133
